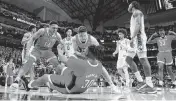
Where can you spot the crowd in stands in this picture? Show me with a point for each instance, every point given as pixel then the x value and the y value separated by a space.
pixel 19 12
pixel 7 52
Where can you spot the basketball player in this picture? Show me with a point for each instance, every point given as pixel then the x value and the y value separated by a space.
pixel 27 47
pixel 138 46
pixel 45 39
pixel 165 53
pixel 82 41
pixel 78 76
pixel 68 44
pixel 121 48
pixel 10 66
pixel 26 43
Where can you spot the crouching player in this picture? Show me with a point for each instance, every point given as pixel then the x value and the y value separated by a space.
pixel 79 74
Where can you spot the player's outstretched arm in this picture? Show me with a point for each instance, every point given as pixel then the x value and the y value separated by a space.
pixel 25 39
pixel 107 77
pixel 172 32
pixel 151 40
pixel 59 38
pixel 61 43
pixel 117 49
pixel 38 34
pixel 173 35
pixel 61 56
pixel 137 16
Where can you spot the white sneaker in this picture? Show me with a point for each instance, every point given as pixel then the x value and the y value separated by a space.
pixel 14 86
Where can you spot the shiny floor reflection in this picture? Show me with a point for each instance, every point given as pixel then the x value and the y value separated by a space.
pixel 93 94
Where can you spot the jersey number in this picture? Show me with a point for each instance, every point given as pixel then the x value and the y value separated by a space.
pixel 68 47
pixel 47 44
pixel 81 50
pixel 162 43
pixel 88 83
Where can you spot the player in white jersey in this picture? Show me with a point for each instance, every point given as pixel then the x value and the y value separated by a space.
pixel 121 49
pixel 69 50
pixel 138 46
pixel 27 44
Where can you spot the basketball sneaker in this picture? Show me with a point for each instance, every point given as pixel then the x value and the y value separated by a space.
pixel 14 85
pixel 159 87
pixel 140 85
pixel 147 90
pixel 50 89
pixel 25 83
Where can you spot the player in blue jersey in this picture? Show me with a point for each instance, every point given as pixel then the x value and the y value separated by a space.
pixel 79 75
pixel 44 38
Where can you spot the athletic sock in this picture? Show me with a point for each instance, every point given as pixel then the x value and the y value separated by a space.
pixel 127 77
pixel 149 81
pixel 138 76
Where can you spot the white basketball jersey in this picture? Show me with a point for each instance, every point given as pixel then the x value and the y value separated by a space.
pixel 122 46
pixel 29 43
pixel 142 28
pixel 69 46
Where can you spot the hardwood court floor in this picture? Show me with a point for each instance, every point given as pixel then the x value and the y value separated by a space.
pixel 93 94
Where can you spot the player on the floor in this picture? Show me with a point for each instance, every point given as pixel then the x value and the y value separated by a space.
pixel 121 49
pixel 138 46
pixel 79 75
pixel 45 39
pixel 28 45
pixel 82 40
pixel 164 56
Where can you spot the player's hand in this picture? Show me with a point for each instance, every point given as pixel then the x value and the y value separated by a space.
pixel 171 32
pixel 113 54
pixel 79 55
